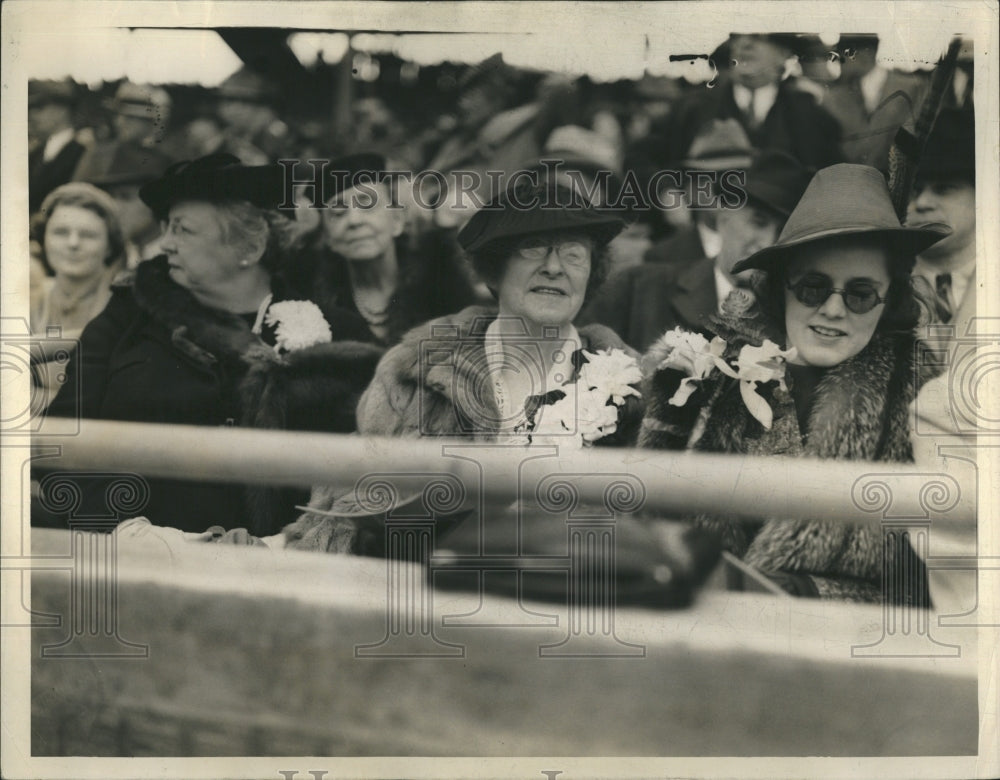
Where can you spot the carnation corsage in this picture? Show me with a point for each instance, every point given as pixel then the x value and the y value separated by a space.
pixel 298 325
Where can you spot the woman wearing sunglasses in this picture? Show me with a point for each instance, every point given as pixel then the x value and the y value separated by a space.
pixel 834 319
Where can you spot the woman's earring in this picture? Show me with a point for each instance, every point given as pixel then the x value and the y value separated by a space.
pixel 244 263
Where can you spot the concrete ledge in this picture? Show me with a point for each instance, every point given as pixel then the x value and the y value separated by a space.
pixel 254 652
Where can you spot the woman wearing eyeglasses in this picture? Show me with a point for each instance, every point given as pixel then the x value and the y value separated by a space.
pixel 821 366
pixel 517 373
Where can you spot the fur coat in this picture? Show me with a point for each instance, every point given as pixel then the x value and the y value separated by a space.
pixel 860 411
pixel 156 354
pixel 417 393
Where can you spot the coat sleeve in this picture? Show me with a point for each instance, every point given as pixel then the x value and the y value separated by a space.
pixel 82 395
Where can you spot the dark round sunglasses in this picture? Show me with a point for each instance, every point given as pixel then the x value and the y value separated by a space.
pixel 858 298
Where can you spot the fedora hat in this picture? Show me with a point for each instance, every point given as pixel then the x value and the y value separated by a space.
pixel 720 144
pixel 216 178
pixel 525 209
pixel 776 180
pixel 844 200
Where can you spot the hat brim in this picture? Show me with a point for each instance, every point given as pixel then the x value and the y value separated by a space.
pixel 907 240
pixel 736 160
pixel 489 227
pixel 263 186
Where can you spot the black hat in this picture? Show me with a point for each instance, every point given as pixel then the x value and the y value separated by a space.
pixel 950 152
pixel 845 200
pixel 776 180
pixel 528 208
pixel 216 178
pixel 349 171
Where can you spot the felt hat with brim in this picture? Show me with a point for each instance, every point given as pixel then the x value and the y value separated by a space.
pixel 217 178
pixel 844 200
pixel 776 181
pixel 720 145
pixel 529 209
pixel 141 101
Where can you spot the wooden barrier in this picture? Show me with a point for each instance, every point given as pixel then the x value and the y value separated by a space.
pixel 673 482
pixel 255 652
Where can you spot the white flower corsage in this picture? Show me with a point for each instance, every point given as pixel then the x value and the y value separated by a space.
pixel 590 407
pixel 298 325
pixel 695 355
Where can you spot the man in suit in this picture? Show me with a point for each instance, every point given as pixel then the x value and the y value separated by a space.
pixel 774 114
pixel 55 150
pixel 945 192
pixel 870 101
pixel 643 302
pixel 720 146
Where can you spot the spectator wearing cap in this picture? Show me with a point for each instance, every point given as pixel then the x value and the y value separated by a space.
pixel 754 91
pixel 871 102
pixel 642 302
pixel 56 150
pixel 207 334
pixel 722 145
pixel 945 192
pixel 371 264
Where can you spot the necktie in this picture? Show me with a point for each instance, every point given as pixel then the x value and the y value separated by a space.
pixel 942 286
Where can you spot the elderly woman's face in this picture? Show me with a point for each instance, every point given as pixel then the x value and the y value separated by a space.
pixel 199 257
pixel 545 279
pixel 359 223
pixel 76 242
pixel 828 333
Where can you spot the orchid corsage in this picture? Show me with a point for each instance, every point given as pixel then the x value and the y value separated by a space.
pixel 698 357
pixel 298 325
pixel 590 406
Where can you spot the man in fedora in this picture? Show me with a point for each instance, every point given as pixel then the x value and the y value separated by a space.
pixel 945 192
pixel 722 145
pixel 641 303
pixel 755 92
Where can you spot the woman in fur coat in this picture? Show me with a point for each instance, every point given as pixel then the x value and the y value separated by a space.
pixel 206 334
pixel 821 366
pixel 509 373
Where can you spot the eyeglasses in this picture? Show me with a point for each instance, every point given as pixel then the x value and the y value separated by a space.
pixel 858 298
pixel 571 252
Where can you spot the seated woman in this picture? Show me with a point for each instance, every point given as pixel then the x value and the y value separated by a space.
pixel 82 246
pixel 514 373
pixel 205 334
pixel 836 303
pixel 369 263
